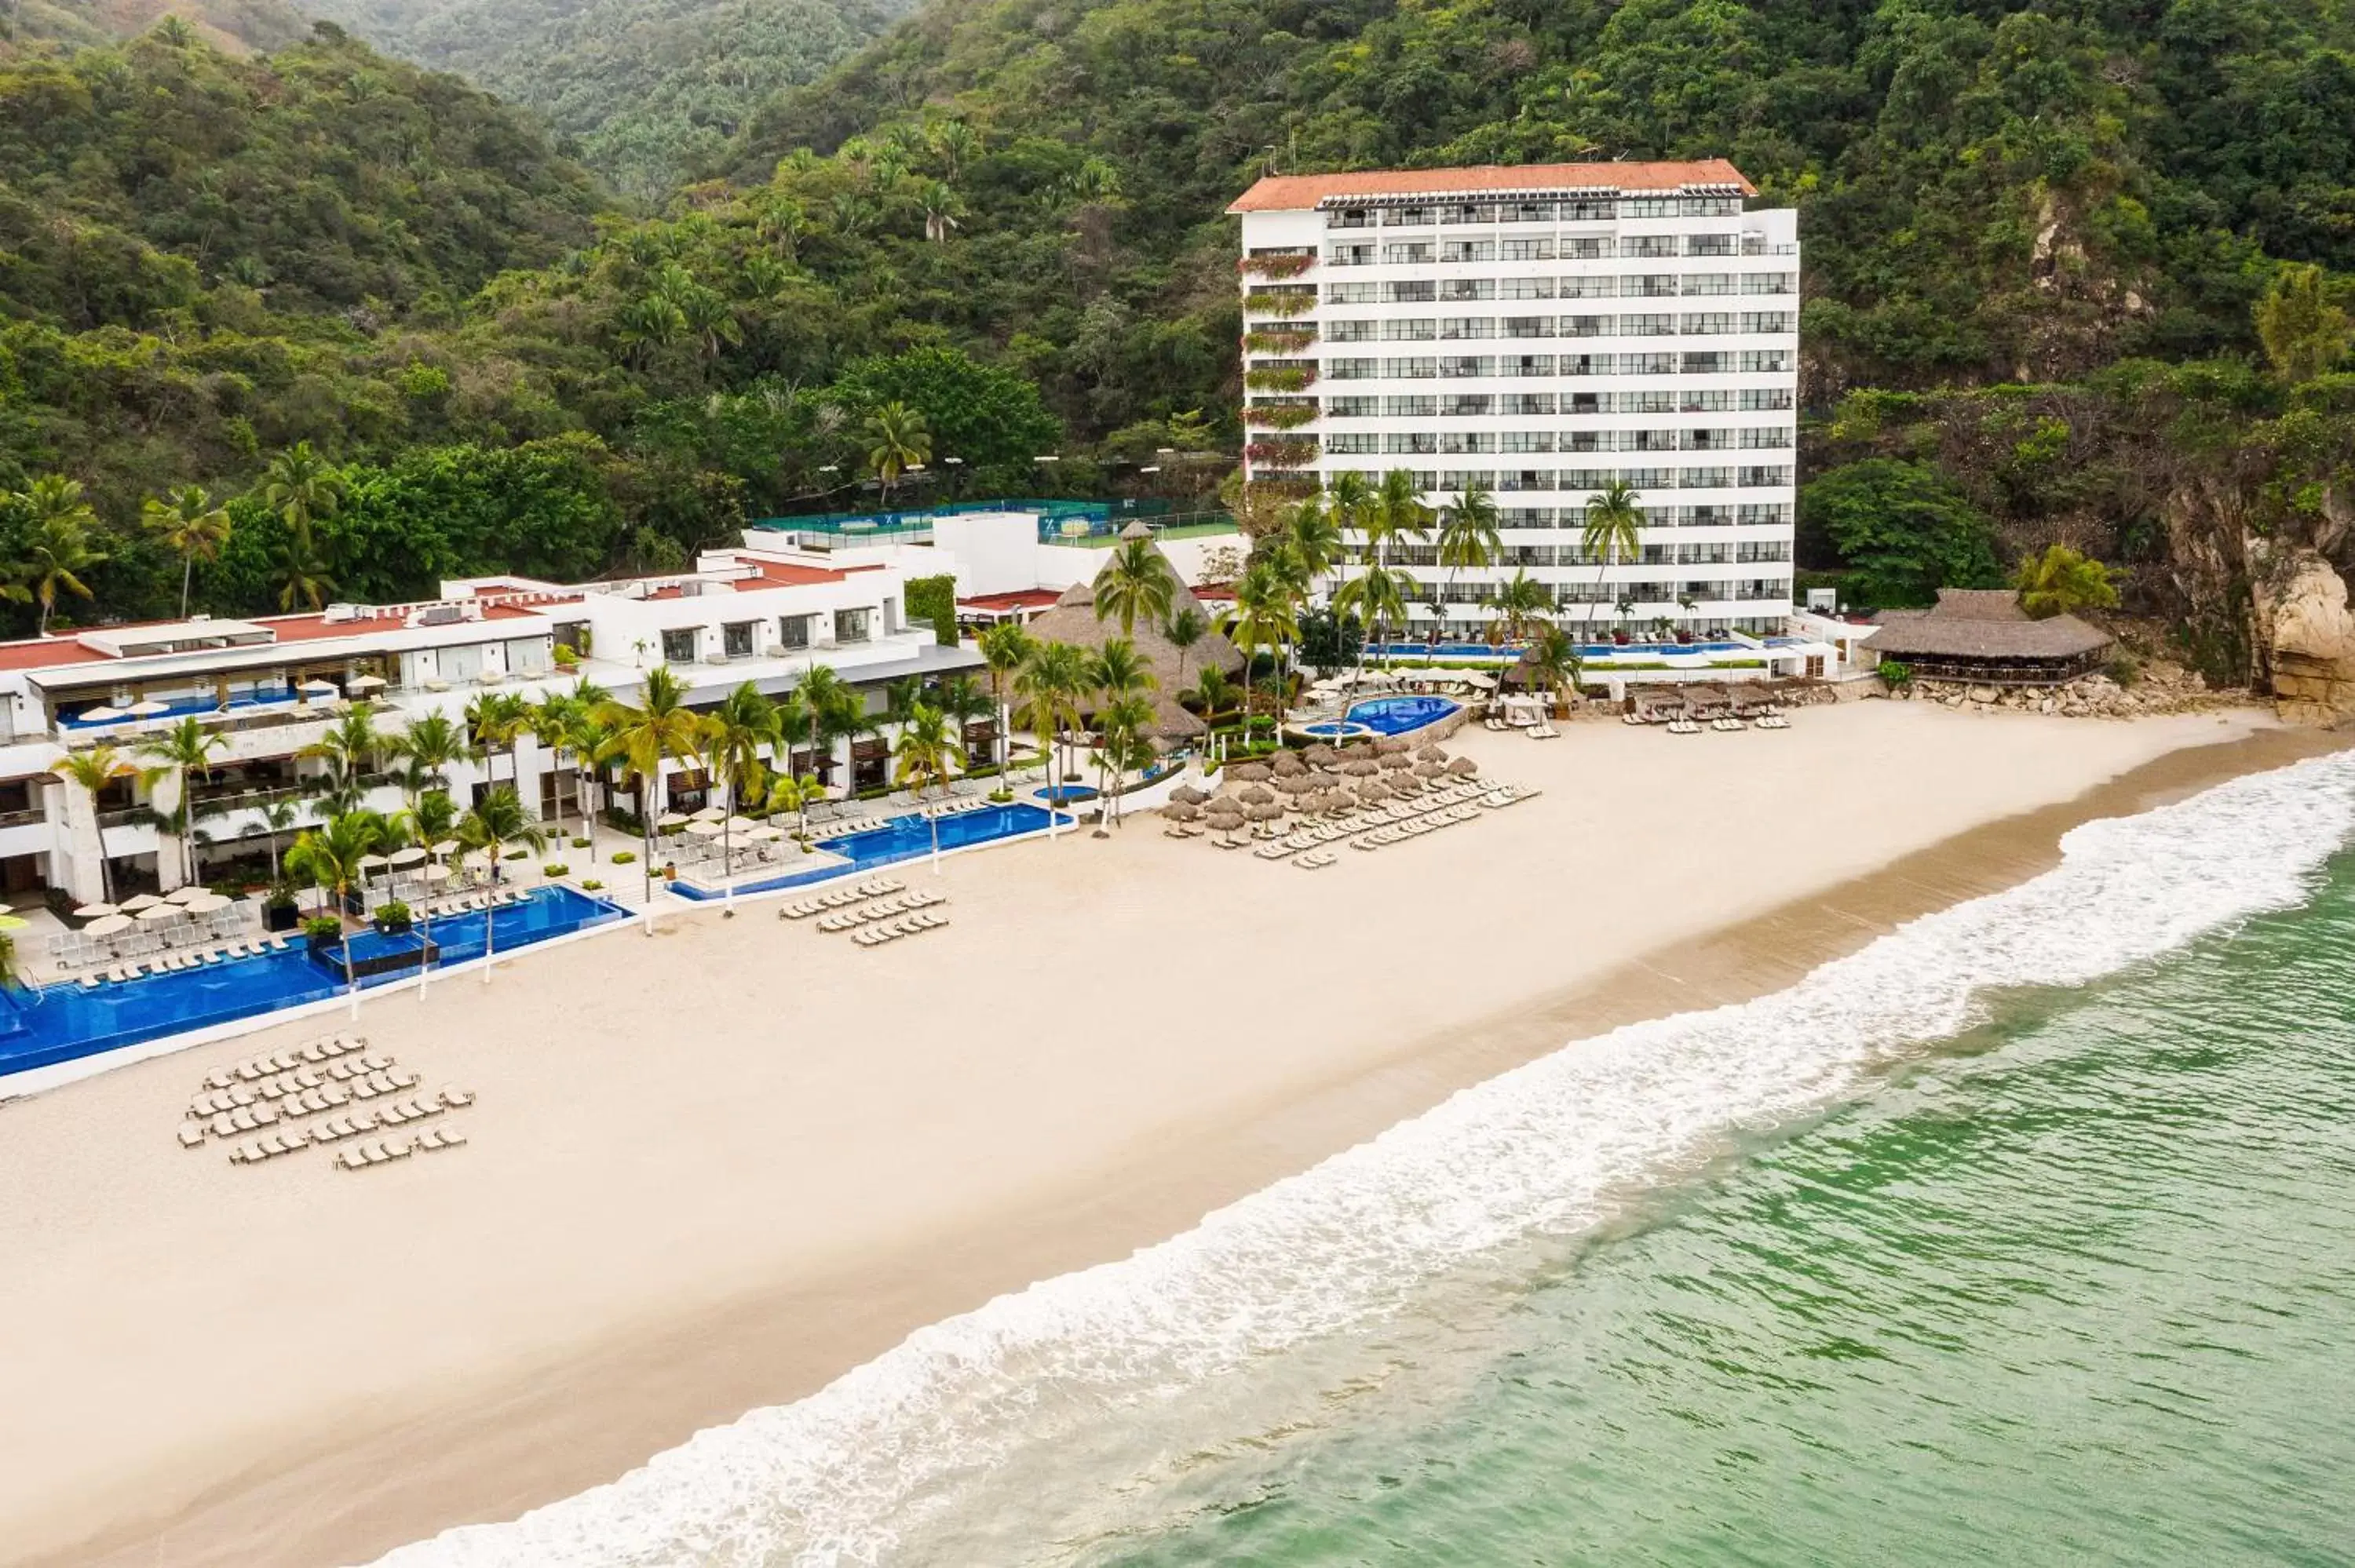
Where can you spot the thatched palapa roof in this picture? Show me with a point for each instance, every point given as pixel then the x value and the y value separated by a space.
pixel 1983 624
pixel 1073 620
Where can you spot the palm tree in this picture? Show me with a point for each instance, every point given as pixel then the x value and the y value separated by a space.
pixel 1263 617
pixel 2061 582
pixel 923 753
pixel 1120 676
pixel 1312 535
pixel 835 709
pixel 1121 724
pixel 733 736
pixel 427 749
pixel 186 748
pixel 1553 661
pixel 795 793
pixel 352 749
pixel 302 575
pixel 1005 648
pixel 660 729
pixel 897 439
pixel 57 549
pixel 277 816
pixel 92 771
pixel 1351 500
pixel 497 721
pixel 192 527
pixel 1376 595
pixel 330 857
pixel 1188 626
pixel 1051 683
pixel 302 488
pixel 496 825
pixel 1213 691
pixel 1135 584
pixel 964 702
pixel 1516 607
pixel 1613 528
pixel 1395 511
pixel 1467 534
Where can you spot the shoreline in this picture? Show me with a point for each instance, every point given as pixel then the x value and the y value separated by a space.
pixel 583 1411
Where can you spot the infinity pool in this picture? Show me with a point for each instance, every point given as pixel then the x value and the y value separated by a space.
pixel 899 839
pixel 1384 715
pixel 48 1024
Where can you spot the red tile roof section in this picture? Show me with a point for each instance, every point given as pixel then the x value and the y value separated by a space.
pixel 1020 598
pixel 1294 193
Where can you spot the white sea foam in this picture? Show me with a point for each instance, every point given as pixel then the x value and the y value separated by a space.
pixel 835 1477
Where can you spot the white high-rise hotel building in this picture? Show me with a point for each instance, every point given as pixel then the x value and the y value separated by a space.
pixel 1540 330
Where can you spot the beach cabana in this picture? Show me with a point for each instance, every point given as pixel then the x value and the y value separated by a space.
pixel 1982 636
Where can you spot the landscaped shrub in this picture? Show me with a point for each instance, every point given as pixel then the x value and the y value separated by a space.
pixel 625 857
pixel 579 843
pixel 590 884
pixel 323 928
pixel 1895 674
pixel 554 868
pixel 393 916
pixel 934 598
pixel 516 855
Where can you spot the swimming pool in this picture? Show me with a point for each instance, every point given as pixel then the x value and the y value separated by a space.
pixel 43 1026
pixel 1468 653
pixel 1384 717
pixel 899 839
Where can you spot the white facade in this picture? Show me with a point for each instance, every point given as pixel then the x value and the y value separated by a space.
pixel 741 615
pixel 1540 330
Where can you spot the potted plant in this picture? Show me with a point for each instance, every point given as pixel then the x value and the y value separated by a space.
pixel 394 917
pixel 279 911
pixel 323 930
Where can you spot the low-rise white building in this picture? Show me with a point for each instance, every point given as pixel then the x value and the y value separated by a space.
pixel 268 686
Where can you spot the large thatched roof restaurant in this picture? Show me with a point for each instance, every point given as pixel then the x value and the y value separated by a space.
pixel 1981 635
pixel 1074 620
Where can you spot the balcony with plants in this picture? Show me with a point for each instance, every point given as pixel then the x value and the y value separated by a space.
pixel 1279 415
pixel 1280 265
pixel 1280 377
pixel 1282 452
pixel 1281 302
pixel 1281 340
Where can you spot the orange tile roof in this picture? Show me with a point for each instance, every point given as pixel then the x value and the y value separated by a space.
pixel 1293 193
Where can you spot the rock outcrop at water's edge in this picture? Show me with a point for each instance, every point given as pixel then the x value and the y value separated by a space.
pixel 2303 622
pixel 2160 687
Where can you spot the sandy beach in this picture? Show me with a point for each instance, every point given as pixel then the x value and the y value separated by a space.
pixel 713 1169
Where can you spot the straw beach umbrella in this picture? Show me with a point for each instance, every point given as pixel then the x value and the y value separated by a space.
pixel 1431 754
pixel 1288 763
pixel 1392 761
pixel 1186 795
pixel 1392 746
pixel 1429 770
pixel 1463 768
pixel 1251 772
pixel 1269 812
pixel 1257 795
pixel 1319 755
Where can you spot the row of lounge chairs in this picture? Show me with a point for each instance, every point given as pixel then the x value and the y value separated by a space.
pixel 384 1151
pixel 952 808
pixel 1310 836
pixel 186 958
pixel 1542 730
pixel 843 919
pixel 1414 828
pixel 840 897
pixel 908 926
pixel 335 1129
pixel 317 1052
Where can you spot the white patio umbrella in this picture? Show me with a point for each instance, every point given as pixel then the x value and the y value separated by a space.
pixel 107 926
pixel 373 862
pixel 101 715
pixel 163 912
pixel 368 683
pixel 210 903
pixel 1476 678
pixel 741 824
pixel 187 894
pixel 435 873
pixel 444 846
pixel 409 856
pixel 147 707
pixel 708 814
pixel 93 912
pixel 137 902
pixel 670 820
pixel 764 834
pixel 705 830
pixel 317 688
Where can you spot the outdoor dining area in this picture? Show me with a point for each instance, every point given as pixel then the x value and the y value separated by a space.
pixel 153 933
pixel 1348 683
pixel 1335 784
pixel 712 844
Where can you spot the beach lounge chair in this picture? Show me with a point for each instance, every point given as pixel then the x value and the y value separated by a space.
pixel 453 1099
pixel 870 938
pixel 355 1158
pixel 400 1148
pixel 192 1134
pixel 247 1154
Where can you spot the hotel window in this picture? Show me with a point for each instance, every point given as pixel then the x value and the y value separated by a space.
pixel 1588 326
pixel 1647 365
pixel 1525 517
pixel 679 645
pixel 1354 407
pixel 1709 323
pixel 1421 407
pixel 1587 403
pixel 1528 441
pixel 1406 217
pixel 1599 250
pixel 1526 289
pixel 1528 327
pixel 1708 362
pixel 1416 253
pixel 1522 479
pixel 1525 251
pixel 1468 212
pixel 1647 326
pixel 1416 293
pixel 1465 479
pixel 1698 402
pixel 1526 365
pixel 1769 321
pixel 1708 282
pixel 1708 245
pixel 1755 397
pixel 1766 361
pixel 1414 443
pixel 1590 440
pixel 1349 332
pixel 1467 288
pixel 1456 443
pixel 1468 326
pixel 1411 329
pixel 1588 363
pixel 852 625
pixel 1459 365
pixel 1766 437
pixel 1352 293
pixel 1364 443
pixel 1768 283
pixel 1649 245
pixel 1527 403
pixel 737 638
pixel 1526 212
pixel 1351 255
pixel 793 631
pixel 1648 206
pixel 1461 250
pixel 1409 369
pixel 1352 369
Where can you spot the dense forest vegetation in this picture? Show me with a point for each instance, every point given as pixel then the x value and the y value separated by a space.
pixel 239 26
pixel 643 90
pixel 2041 240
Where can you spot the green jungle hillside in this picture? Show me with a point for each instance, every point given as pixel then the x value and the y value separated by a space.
pixel 2074 272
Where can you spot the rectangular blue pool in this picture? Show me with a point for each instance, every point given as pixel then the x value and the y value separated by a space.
pixel 899 839
pixel 42 1026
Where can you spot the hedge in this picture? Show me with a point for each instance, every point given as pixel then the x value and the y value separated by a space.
pixel 934 598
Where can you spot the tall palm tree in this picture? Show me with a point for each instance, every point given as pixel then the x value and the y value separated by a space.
pixel 497 721
pixel 1377 595
pixel 1395 511
pixel 796 727
pixel 496 825
pixel 964 702
pixel 426 750
pixel 186 748
pixel 922 753
pixel 734 735
pixel 1553 661
pixel 644 738
pixel 832 703
pixel 897 439
pixel 302 574
pixel 1183 630
pixel 1213 691
pixel 57 548
pixel 1312 533
pixel 1135 584
pixel 330 856
pixel 1121 676
pixel 277 817
pixel 1004 649
pixel 352 749
pixel 1121 724
pixel 1468 536
pixel 1614 530
pixel 796 792
pixel 91 772
pixel 1262 618
pixel 1051 684
pixel 302 487
pixel 192 527
pixel 1350 500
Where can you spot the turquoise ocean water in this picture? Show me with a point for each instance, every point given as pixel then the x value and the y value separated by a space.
pixel 2025 1235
